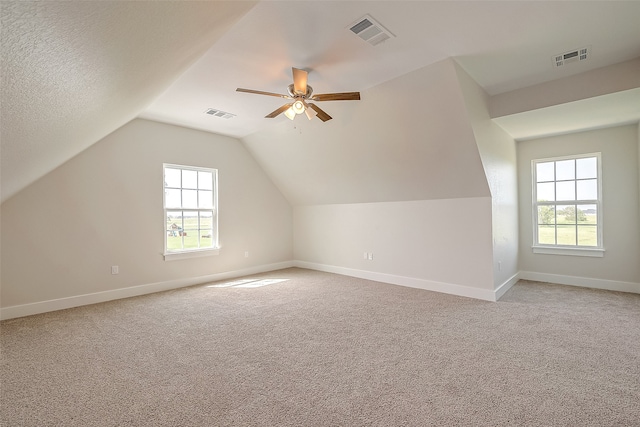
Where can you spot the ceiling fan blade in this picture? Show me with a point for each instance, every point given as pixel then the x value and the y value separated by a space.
pixel 345 96
pixel 259 92
pixel 279 111
pixel 321 114
pixel 300 81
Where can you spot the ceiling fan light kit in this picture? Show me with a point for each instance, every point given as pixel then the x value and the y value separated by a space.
pixel 300 92
pixel 298 107
pixel 289 113
pixel 310 112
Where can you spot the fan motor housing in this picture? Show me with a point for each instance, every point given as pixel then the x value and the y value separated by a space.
pixel 295 94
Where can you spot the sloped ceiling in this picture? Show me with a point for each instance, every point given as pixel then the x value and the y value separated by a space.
pixel 73 72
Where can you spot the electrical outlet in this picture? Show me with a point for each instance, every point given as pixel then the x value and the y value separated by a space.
pixel 246 254
pixel 370 256
pixel 115 269
pixel 366 256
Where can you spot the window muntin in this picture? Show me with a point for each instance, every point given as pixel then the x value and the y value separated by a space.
pixel 190 209
pixel 567 202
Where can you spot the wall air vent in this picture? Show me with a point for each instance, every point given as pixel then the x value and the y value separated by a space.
pixel 217 113
pixel 370 31
pixel 577 55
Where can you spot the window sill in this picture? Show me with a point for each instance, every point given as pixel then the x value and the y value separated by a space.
pixel 588 252
pixel 172 256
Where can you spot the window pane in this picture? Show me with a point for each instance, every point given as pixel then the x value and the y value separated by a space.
pixel 190 232
pixel 206 240
pixel 174 220
pixel 190 240
pixel 174 230
pixel 566 235
pixel 565 169
pixel 587 235
pixel 544 171
pixel 189 179
pixel 190 220
pixel 545 192
pixel 205 180
pixel 205 199
pixel 206 220
pixel 172 178
pixel 172 198
pixel 587 168
pixel 565 190
pixel 546 215
pixel 190 199
pixel 588 214
pixel 206 232
pixel 546 235
pixel 566 214
pixel 587 189
pixel 174 243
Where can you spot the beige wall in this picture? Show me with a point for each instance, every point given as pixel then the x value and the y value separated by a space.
pixel 442 245
pixel 498 153
pixel 619 148
pixel 104 208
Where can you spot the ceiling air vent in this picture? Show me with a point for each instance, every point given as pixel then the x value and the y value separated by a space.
pixel 217 113
pixel 370 31
pixel 572 56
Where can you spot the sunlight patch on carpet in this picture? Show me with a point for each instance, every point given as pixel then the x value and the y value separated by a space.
pixel 248 283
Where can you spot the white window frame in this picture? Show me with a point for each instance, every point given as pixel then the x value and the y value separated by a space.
pixel 170 255
pixel 575 250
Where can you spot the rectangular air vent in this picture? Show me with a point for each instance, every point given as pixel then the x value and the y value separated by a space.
pixel 572 56
pixel 217 113
pixel 370 31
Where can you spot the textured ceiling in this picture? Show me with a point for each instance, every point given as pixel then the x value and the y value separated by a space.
pixel 74 71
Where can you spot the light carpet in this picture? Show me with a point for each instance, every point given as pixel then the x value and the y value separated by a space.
pixel 308 348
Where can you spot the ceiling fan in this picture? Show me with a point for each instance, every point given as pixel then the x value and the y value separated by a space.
pixel 300 93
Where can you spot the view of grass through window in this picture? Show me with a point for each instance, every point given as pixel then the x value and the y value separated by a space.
pixel 189 205
pixel 566 198
pixel 189 230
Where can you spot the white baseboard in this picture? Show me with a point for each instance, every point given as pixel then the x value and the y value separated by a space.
pixel 98 297
pixel 429 285
pixel 585 282
pixel 502 289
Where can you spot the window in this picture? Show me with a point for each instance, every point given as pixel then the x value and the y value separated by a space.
pixel 190 211
pixel 567 205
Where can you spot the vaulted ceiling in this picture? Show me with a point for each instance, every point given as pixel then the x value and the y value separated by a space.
pixel 72 72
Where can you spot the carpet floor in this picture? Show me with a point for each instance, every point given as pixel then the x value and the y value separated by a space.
pixel 307 348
